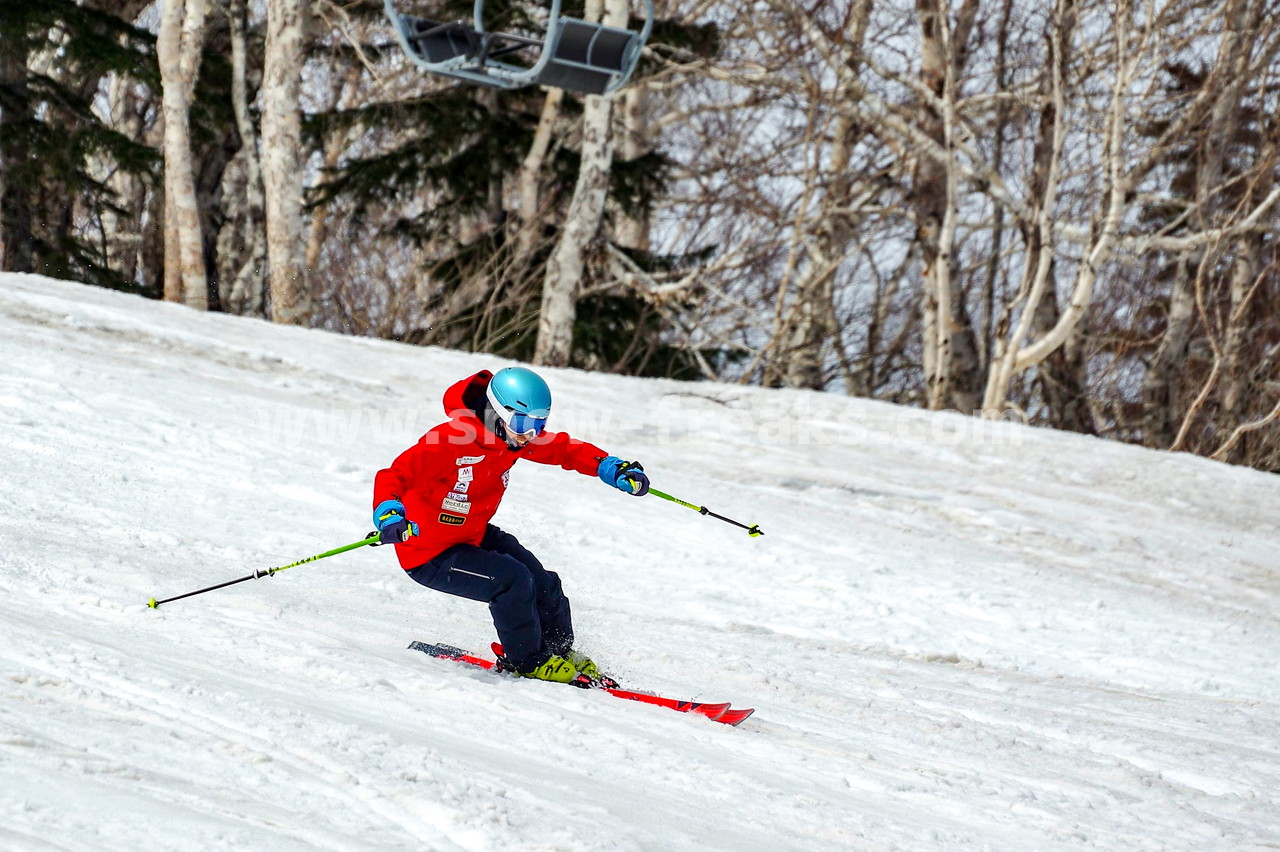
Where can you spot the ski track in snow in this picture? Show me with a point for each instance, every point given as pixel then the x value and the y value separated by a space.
pixel 956 635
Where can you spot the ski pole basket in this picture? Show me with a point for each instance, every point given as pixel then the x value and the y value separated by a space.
pixel 572 54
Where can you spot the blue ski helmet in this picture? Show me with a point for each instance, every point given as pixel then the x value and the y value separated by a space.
pixel 521 399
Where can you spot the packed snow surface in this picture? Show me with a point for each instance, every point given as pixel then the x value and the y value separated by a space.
pixel 957 635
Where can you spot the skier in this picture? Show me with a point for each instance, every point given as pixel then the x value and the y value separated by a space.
pixel 435 501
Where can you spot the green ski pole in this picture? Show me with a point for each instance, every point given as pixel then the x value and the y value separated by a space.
pixel 371 538
pixel 753 530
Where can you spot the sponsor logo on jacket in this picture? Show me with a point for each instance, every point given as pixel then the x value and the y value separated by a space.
pixel 465 474
pixel 469 460
pixel 452 520
pixel 456 506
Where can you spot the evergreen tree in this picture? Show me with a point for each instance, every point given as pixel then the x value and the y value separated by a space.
pixel 54 149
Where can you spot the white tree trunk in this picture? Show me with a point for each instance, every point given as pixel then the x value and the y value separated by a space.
pixel 246 290
pixel 633 227
pixel 530 179
pixel 565 268
pixel 930 183
pixel 939 375
pixel 178 47
pixel 282 160
pixel 949 351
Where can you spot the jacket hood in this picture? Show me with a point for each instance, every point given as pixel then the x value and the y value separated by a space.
pixel 464 403
pixel 465 397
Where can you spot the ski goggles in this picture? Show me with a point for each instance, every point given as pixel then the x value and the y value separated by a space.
pixel 523 425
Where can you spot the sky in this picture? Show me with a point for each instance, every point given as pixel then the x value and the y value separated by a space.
pixel 956 635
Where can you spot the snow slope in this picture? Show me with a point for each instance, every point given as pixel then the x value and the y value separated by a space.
pixel 957 635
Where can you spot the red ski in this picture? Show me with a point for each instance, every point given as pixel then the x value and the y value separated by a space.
pixel 716 712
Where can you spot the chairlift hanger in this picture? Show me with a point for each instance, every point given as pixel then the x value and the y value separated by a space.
pixel 575 55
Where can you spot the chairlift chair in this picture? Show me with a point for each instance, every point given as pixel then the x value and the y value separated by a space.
pixel 573 54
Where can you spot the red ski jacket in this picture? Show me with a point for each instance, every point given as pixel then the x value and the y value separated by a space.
pixel 453 479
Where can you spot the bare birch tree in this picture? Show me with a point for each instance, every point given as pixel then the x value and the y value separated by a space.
pixel 530 176
pixel 950 350
pixel 582 223
pixel 282 160
pixel 1230 74
pixel 178 49
pixel 244 242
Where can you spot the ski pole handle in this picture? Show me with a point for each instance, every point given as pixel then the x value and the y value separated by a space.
pixel 753 530
pixel 370 539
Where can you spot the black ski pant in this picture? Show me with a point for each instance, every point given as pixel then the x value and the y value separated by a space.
pixel 529 609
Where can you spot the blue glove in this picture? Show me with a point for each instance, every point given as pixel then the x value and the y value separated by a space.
pixel 625 476
pixel 391 523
